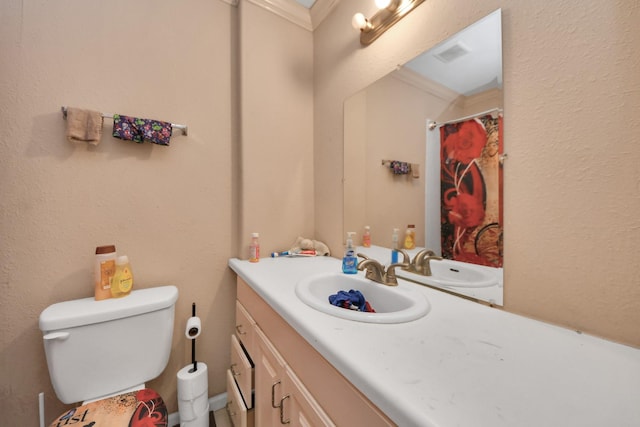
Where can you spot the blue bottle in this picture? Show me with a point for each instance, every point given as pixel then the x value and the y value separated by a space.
pixel 394 246
pixel 350 260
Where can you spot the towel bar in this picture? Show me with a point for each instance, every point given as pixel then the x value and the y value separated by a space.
pixel 183 128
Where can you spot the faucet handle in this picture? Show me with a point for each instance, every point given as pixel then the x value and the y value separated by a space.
pixel 374 270
pixel 420 255
pixel 418 260
pixel 390 277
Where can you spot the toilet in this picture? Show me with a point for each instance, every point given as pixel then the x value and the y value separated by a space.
pixel 101 353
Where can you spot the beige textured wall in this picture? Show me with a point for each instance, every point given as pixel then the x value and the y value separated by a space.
pixel 571 102
pixel 572 120
pixel 229 74
pixel 276 129
pixel 393 128
pixel 169 208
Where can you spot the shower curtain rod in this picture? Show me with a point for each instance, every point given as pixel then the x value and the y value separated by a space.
pixel 433 125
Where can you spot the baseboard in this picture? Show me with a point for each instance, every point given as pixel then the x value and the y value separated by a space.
pixel 215 403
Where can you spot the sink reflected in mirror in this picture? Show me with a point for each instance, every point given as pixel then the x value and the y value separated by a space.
pixel 474 281
pixel 397 304
pixel 450 273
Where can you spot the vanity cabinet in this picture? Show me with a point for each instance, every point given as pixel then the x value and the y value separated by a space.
pixel 282 397
pixel 292 383
pixel 269 381
pixel 240 375
pixel 300 405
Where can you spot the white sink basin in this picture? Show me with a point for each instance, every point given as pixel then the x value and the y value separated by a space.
pixel 450 273
pixel 393 304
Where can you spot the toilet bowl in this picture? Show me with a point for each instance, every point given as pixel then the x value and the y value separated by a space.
pixel 101 353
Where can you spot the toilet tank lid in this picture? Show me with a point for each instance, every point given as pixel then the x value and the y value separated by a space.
pixel 86 311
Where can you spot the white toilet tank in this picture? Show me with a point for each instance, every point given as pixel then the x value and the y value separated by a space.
pixel 98 348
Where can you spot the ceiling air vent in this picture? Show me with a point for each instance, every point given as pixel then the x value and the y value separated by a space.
pixel 452 52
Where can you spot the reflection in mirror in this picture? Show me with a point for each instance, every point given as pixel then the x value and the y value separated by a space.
pixel 393 173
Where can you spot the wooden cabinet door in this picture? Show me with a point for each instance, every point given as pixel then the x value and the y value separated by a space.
pixel 269 381
pixel 299 408
pixel 236 408
pixel 242 371
pixel 245 328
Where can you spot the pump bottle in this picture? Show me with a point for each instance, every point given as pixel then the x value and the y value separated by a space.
pixel 350 260
pixel 394 246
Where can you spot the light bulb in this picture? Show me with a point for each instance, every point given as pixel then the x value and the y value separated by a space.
pixel 382 4
pixel 359 22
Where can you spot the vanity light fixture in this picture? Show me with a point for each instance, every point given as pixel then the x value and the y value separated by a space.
pixel 391 11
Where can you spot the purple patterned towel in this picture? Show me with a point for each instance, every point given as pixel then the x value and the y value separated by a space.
pixel 139 130
pixel 399 168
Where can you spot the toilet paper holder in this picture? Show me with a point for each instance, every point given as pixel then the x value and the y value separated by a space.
pixel 194 327
pixel 193 388
pixel 192 331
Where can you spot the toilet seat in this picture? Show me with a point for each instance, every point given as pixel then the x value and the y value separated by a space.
pixel 141 408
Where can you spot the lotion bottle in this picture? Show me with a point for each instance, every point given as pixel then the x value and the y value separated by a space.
pixel 122 281
pixel 105 267
pixel 350 261
pixel 254 248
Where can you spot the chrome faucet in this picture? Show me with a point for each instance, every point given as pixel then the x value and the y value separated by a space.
pixel 376 271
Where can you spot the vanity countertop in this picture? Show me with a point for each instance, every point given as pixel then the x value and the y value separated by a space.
pixel 464 363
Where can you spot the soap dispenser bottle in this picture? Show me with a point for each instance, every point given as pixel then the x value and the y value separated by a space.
pixel 366 237
pixel 394 246
pixel 350 260
pixel 410 237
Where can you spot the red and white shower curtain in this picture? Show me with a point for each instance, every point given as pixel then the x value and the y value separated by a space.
pixel 471 190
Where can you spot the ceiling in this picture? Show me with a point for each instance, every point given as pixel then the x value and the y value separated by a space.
pixel 477 47
pixel 306 3
pixel 307 14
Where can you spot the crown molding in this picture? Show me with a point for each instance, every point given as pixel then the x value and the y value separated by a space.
pixel 488 97
pixel 320 10
pixel 309 19
pixel 416 80
pixel 289 10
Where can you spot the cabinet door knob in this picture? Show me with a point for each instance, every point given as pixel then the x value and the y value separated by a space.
pixel 239 330
pixel 282 420
pixel 273 395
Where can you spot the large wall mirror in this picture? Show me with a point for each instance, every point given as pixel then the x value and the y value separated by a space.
pixel 398 161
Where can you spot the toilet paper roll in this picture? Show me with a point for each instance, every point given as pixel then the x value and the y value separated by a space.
pixel 193 392
pixel 194 326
